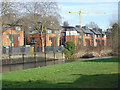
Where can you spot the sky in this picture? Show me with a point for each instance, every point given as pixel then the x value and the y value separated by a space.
pixel 110 7
pixel 103 21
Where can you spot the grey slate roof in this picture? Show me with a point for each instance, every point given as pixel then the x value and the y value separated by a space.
pixel 70 27
pixel 67 26
pixel 96 31
pixel 86 30
pixel 78 29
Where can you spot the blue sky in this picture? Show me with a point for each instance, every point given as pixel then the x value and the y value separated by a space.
pixel 103 21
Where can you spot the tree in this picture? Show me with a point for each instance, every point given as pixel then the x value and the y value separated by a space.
pixel 69 49
pixel 115 37
pixel 92 25
pixel 9 13
pixel 40 15
pixel 65 23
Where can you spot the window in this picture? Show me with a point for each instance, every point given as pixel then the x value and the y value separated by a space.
pixel 89 35
pixel 86 34
pixel 102 42
pixel 56 32
pixel 50 38
pixel 63 34
pixel 98 35
pixel 67 29
pixel 104 36
pixel 63 30
pixel 32 39
pixel 49 31
pixel 9 28
pixel 78 34
pixel 18 28
pixel 7 36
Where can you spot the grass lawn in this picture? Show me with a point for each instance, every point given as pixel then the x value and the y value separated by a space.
pixel 102 73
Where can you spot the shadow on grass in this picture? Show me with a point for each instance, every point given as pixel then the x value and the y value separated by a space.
pixel 104 60
pixel 84 81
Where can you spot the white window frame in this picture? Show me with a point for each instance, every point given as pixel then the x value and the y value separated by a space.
pixel 89 35
pixel 56 32
pixel 49 31
pixel 78 33
pixel 7 36
pixel 18 28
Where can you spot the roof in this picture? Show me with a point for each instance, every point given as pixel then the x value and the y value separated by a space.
pixel 95 31
pixel 67 27
pixel 86 30
pixel 78 29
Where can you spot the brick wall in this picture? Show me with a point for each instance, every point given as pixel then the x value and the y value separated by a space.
pixel 6 41
pixel 47 41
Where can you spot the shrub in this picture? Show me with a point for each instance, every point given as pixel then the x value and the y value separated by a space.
pixel 69 49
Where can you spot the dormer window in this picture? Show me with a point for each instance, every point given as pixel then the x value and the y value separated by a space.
pixel 89 35
pixel 86 34
pixel 49 31
pixel 98 35
pixel 104 36
pixel 56 32
pixel 78 34
pixel 18 28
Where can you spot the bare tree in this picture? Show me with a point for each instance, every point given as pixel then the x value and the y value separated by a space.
pixel 65 23
pixel 40 15
pixel 92 25
pixel 9 13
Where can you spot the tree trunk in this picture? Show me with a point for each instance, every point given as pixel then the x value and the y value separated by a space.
pixel 42 41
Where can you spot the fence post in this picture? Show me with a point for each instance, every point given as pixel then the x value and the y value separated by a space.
pixel 45 58
pixel 62 55
pixel 23 59
pixel 54 57
pixel 35 59
pixel 9 58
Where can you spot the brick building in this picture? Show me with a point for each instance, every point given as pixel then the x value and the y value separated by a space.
pixel 51 38
pixel 70 33
pixel 13 36
pixel 83 36
pixel 99 38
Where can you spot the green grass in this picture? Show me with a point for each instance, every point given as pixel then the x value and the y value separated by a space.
pixel 86 74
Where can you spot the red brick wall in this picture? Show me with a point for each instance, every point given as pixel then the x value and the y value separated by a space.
pixel 47 42
pixel 73 38
pixel 6 41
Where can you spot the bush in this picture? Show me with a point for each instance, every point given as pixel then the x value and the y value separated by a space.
pixel 87 55
pixel 69 49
